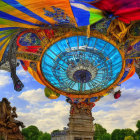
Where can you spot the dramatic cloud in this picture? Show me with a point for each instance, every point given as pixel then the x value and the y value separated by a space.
pixel 112 114
pixel 124 112
pixel 33 96
pixel 49 117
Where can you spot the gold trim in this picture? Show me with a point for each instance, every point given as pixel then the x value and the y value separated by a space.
pixel 115 33
pixel 132 44
pixel 131 36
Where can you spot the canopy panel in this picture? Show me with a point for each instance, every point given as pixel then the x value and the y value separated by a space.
pixel 35 13
pixel 85 13
pixel 79 63
pixel 124 10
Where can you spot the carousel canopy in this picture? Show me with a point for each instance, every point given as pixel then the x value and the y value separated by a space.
pixel 51 42
pixel 80 65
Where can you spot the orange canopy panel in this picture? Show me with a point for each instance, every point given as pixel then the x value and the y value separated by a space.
pixel 35 12
pixel 35 75
pixel 130 74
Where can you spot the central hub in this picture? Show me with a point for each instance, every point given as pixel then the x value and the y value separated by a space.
pixel 82 76
pixel 81 72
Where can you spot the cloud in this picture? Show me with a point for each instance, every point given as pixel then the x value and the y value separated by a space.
pixel 33 96
pixel 22 72
pixel 124 113
pixel 24 75
pixel 46 114
pixel 49 115
pixel 4 78
pixel 47 118
pixel 52 115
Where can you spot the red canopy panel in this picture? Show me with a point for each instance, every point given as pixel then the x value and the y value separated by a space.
pixel 125 10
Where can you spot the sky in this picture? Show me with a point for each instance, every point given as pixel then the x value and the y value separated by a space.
pixel 33 108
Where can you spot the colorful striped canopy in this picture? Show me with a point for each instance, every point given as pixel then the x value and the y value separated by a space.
pixel 17 14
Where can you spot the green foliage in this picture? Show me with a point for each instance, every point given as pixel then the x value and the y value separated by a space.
pixel 138 130
pixel 45 136
pixel 116 135
pixel 137 138
pixel 100 133
pixel 55 131
pixel 138 124
pixel 129 132
pixel 128 138
pixel 120 134
pixel 106 136
pixel 33 133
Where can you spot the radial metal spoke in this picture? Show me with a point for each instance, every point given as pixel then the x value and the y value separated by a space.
pixel 72 85
pixel 111 52
pixel 104 47
pixel 69 84
pixel 57 63
pixel 117 63
pixel 58 47
pixel 91 83
pixel 51 67
pixel 99 77
pixel 81 86
pixel 77 43
pixel 84 86
pixel 68 44
pixel 95 43
pixel 91 87
pixel 57 56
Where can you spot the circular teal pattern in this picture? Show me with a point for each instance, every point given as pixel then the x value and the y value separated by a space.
pixel 100 61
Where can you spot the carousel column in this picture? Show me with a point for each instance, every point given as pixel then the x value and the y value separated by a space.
pixel 81 122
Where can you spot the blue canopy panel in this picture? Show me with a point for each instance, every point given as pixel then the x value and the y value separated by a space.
pixel 84 13
pixel 30 14
pixel 81 16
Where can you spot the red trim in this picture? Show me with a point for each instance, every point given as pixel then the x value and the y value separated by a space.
pixel 32 49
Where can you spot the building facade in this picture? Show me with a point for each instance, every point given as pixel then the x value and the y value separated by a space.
pixel 80 125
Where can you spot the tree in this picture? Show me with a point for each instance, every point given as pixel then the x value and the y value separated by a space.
pixel 116 135
pixel 31 133
pixel 129 132
pixel 45 136
pixel 100 133
pixel 128 138
pixel 137 133
pixel 137 137
pixel 138 126
pixel 106 136
pixel 54 131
